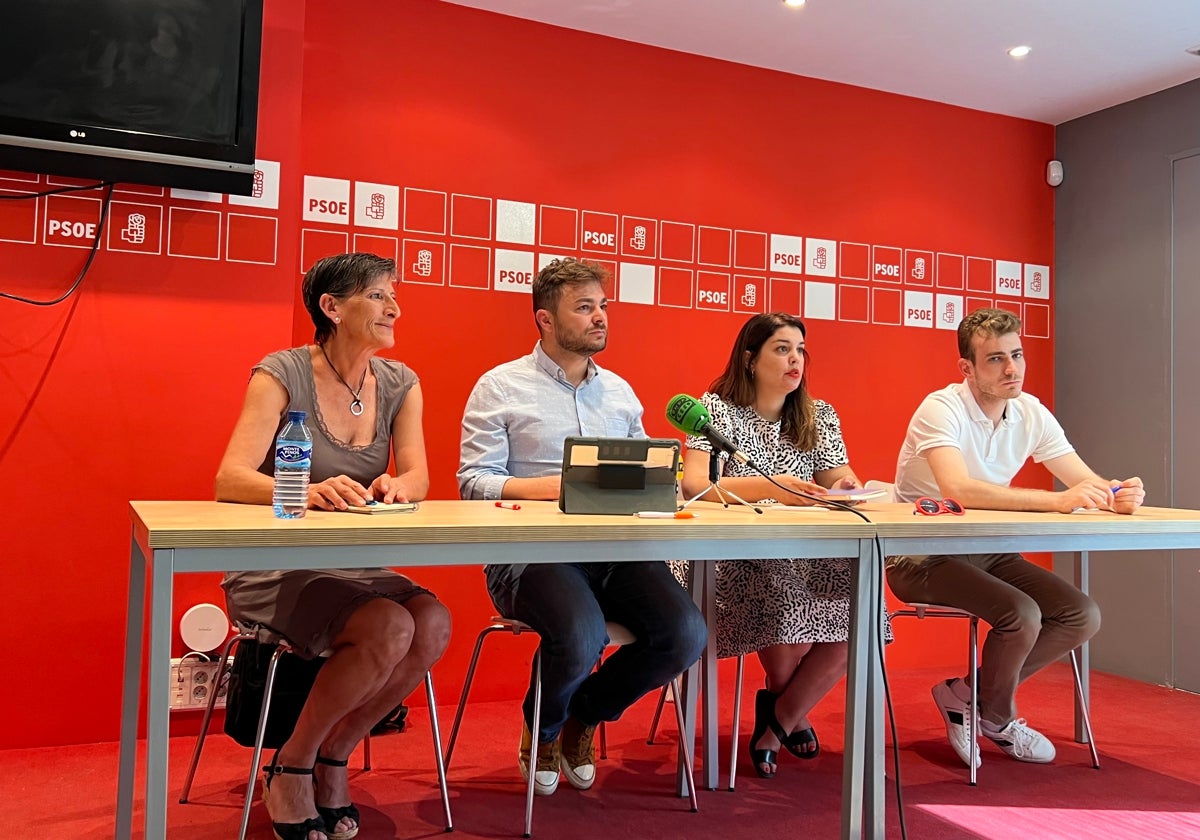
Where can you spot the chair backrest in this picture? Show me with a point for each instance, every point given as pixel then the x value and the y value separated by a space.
pixel 619 634
pixel 919 610
pixel 886 486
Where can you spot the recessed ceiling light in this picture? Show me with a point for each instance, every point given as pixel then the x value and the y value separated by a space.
pixel 795 4
pixel 1020 52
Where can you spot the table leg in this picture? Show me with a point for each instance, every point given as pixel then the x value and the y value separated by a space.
pixel 699 676
pixel 874 783
pixel 1083 652
pixel 857 692
pixel 159 692
pixel 131 689
pixel 708 678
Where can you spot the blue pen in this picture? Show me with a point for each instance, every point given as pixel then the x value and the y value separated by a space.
pixel 1116 489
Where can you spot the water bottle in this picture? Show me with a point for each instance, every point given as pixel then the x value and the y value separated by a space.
pixel 293 460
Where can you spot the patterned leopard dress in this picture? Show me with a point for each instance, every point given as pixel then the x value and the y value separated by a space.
pixel 783 601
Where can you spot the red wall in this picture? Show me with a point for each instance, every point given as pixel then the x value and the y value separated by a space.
pixel 151 355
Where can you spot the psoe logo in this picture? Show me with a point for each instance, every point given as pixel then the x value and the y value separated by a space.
pixel 750 295
pixel 821 260
pixel 949 315
pixel 377 209
pixel 134 231
pixel 423 267
pixel 638 240
pixel 918 269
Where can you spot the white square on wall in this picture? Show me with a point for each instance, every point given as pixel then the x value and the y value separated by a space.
pixel 1008 278
pixel 918 309
pixel 514 271
pixel 198 195
pixel 948 312
pixel 545 259
pixel 1037 281
pixel 376 205
pixel 326 200
pixel 820 301
pixel 787 253
pixel 515 221
pixel 637 283
pixel 265 192
pixel 820 257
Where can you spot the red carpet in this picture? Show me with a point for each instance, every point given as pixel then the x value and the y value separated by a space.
pixel 1148 786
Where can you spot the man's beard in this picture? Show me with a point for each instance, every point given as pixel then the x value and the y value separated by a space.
pixel 583 345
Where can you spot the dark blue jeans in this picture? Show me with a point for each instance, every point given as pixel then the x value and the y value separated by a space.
pixel 568 604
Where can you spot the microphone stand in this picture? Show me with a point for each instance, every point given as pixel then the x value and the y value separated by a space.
pixel 714 483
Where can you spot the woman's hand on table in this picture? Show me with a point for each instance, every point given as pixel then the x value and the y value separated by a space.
pixel 337 493
pixel 388 489
pixel 797 485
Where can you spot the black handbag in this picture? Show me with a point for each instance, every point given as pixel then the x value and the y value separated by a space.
pixel 294 678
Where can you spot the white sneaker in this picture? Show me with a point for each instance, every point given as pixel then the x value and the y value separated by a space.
pixel 1021 741
pixel 578 750
pixel 957 715
pixel 545 774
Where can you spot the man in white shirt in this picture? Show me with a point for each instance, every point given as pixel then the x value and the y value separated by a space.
pixel 965 443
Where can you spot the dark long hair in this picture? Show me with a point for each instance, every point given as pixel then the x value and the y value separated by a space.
pixel 735 385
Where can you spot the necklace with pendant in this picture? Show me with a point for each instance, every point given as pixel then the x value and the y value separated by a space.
pixel 356 405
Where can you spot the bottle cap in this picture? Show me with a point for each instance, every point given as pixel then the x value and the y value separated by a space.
pixel 296 416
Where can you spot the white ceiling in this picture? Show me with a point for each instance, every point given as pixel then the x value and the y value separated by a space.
pixel 1087 54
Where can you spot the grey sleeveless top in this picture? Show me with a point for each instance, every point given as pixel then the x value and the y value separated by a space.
pixel 274 597
pixel 293 369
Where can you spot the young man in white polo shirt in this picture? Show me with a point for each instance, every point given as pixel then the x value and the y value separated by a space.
pixel 966 442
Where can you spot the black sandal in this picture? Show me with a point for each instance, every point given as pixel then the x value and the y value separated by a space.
pixel 800 738
pixel 764 719
pixel 332 816
pixel 291 831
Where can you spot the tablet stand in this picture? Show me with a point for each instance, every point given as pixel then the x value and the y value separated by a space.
pixel 714 483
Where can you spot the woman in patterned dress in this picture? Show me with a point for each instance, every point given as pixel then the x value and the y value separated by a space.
pixel 794 613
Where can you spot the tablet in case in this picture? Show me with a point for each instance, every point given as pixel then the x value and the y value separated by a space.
pixel 618 475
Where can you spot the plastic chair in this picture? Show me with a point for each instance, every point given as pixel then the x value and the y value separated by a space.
pixel 247 634
pixel 886 486
pixel 938 611
pixel 618 635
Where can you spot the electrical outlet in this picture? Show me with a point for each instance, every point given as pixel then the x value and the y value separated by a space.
pixel 191 681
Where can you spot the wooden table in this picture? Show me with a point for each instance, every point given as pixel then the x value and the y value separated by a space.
pixel 180 537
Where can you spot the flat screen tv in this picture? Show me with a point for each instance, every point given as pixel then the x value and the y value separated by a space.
pixel 158 92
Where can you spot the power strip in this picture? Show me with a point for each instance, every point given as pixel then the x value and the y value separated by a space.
pixel 191 681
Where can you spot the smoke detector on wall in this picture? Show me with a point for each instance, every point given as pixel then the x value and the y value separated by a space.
pixel 1054 173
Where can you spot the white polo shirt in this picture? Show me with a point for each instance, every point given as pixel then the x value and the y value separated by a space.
pixel 951 417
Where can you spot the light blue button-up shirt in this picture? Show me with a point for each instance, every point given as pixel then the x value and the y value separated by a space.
pixel 520 412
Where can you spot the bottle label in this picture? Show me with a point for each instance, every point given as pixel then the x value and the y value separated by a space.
pixel 293 456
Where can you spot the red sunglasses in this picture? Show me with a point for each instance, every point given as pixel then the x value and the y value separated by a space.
pixel 929 506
